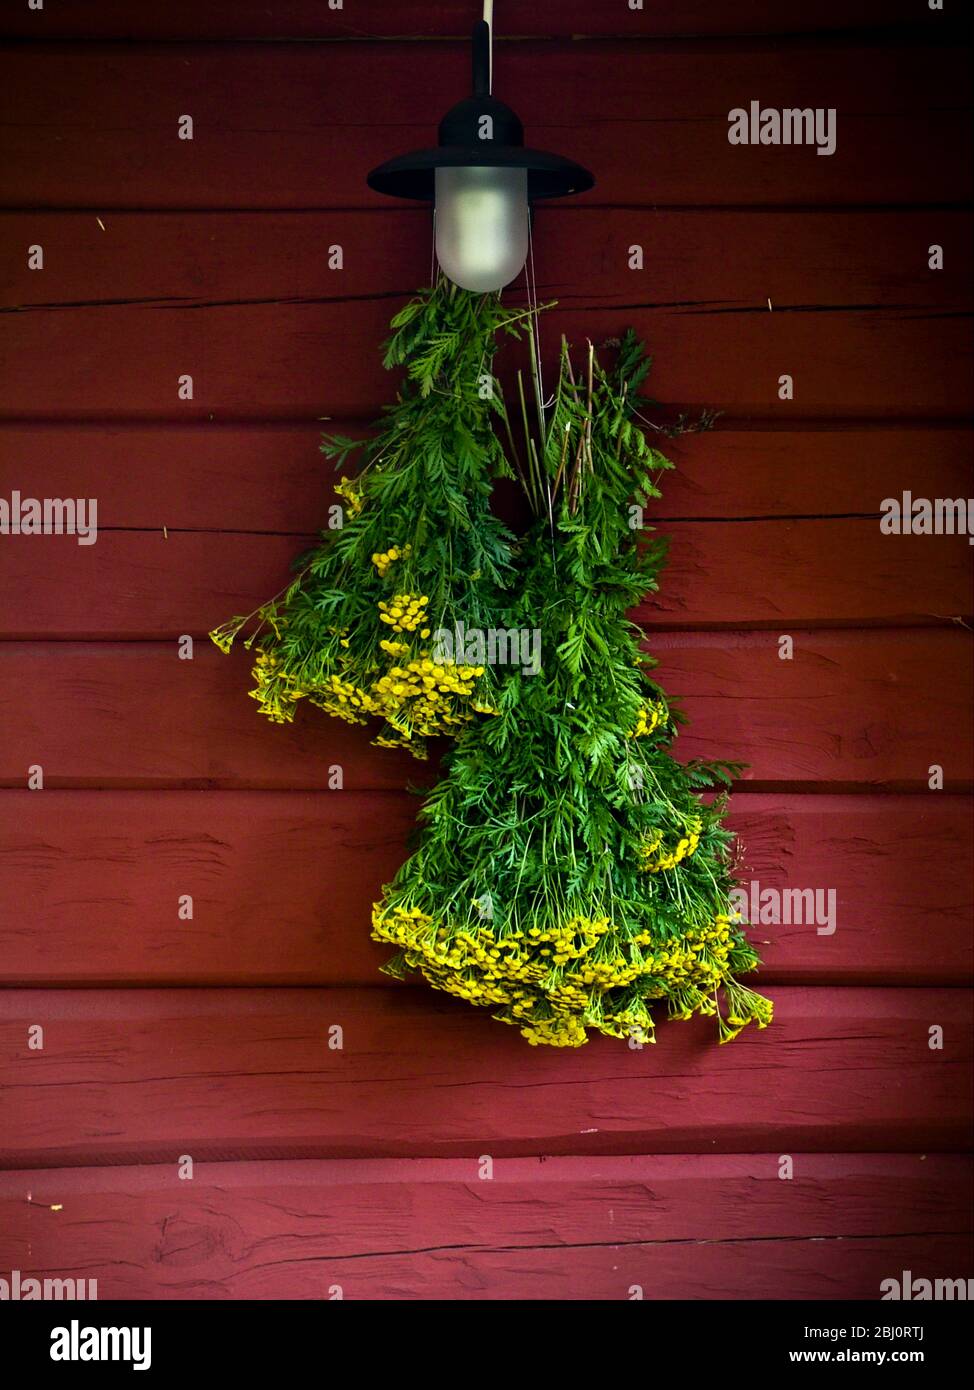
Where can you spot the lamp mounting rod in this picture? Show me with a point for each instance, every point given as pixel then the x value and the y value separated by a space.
pixel 481 59
pixel 462 144
pixel 489 21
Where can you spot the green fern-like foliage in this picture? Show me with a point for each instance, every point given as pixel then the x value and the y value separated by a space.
pixel 570 873
pixel 417 551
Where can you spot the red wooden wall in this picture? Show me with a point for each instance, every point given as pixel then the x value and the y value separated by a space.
pixel 360 1167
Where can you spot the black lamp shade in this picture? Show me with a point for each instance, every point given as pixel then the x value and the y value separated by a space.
pixel 462 143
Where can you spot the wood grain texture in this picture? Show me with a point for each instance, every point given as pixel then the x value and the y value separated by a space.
pixel 851 710
pixel 714 260
pixel 851 702
pixel 96 126
pixel 359 1167
pixel 161 583
pixel 148 1075
pixel 690 1226
pixel 292 361
pixel 133 714
pixel 272 478
pixel 282 886
pixel 356 19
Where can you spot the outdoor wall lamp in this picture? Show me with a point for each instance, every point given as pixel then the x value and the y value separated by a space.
pixel 481 181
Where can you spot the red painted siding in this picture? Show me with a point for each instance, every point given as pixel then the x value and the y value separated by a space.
pixel 558 1228
pixel 105 886
pixel 250 1074
pixel 614 1168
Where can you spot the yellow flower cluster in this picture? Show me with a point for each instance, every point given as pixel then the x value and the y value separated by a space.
pixel 417 697
pixel 419 703
pixel 655 859
pixel 745 1005
pixel 347 490
pixel 430 679
pixel 273 692
pixel 556 1032
pixel 382 559
pixel 405 612
pixel 345 700
pixel 223 636
pixel 555 982
pixel 384 741
pixel 649 718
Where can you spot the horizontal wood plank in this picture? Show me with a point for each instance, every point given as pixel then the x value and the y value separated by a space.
pixel 847 1267
pixel 808 573
pixel 358 1167
pixel 132 715
pixel 678 1226
pixel 320 360
pixel 849 701
pixel 282 885
pixel 850 710
pixel 649 119
pixel 272 478
pixel 738 575
pixel 310 19
pixel 712 277
pixel 710 259
pixel 149 1075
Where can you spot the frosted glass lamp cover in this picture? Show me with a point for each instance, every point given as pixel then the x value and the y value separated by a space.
pixel 481 225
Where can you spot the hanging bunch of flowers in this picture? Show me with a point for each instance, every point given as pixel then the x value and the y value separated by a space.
pixel 570 874
pixel 418 549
